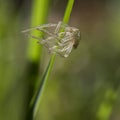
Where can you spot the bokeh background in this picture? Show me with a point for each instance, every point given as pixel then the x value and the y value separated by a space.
pixel 84 86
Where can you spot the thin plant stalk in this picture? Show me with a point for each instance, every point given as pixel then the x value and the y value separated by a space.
pixel 42 86
pixel 51 62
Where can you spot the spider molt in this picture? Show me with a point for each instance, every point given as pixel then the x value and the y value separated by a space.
pixel 58 38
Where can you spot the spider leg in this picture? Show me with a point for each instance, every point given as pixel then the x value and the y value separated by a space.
pixel 65 48
pixel 57 49
pixel 47 44
pixel 71 29
pixel 59 26
pixel 54 49
pixel 60 52
pixel 40 27
pixel 41 40
pixel 68 51
pixel 57 29
pixel 67 39
pixel 32 36
pixel 45 31
pixel 64 52
pixel 62 44
pixel 49 33
pixel 47 25
pixel 47 40
pixel 60 29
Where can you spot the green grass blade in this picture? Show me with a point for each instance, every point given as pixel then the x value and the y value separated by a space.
pixel 68 11
pixel 51 62
pixel 42 85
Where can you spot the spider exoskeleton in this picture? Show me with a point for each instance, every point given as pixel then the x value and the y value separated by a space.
pixel 58 38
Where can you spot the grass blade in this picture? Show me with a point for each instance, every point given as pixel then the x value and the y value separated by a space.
pixel 51 62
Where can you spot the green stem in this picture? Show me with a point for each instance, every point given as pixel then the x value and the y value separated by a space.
pixel 51 62
pixel 68 11
pixel 42 85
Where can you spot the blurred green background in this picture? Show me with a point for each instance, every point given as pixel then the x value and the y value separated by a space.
pixel 84 86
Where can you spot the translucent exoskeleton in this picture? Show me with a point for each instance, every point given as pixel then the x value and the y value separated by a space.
pixel 58 38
